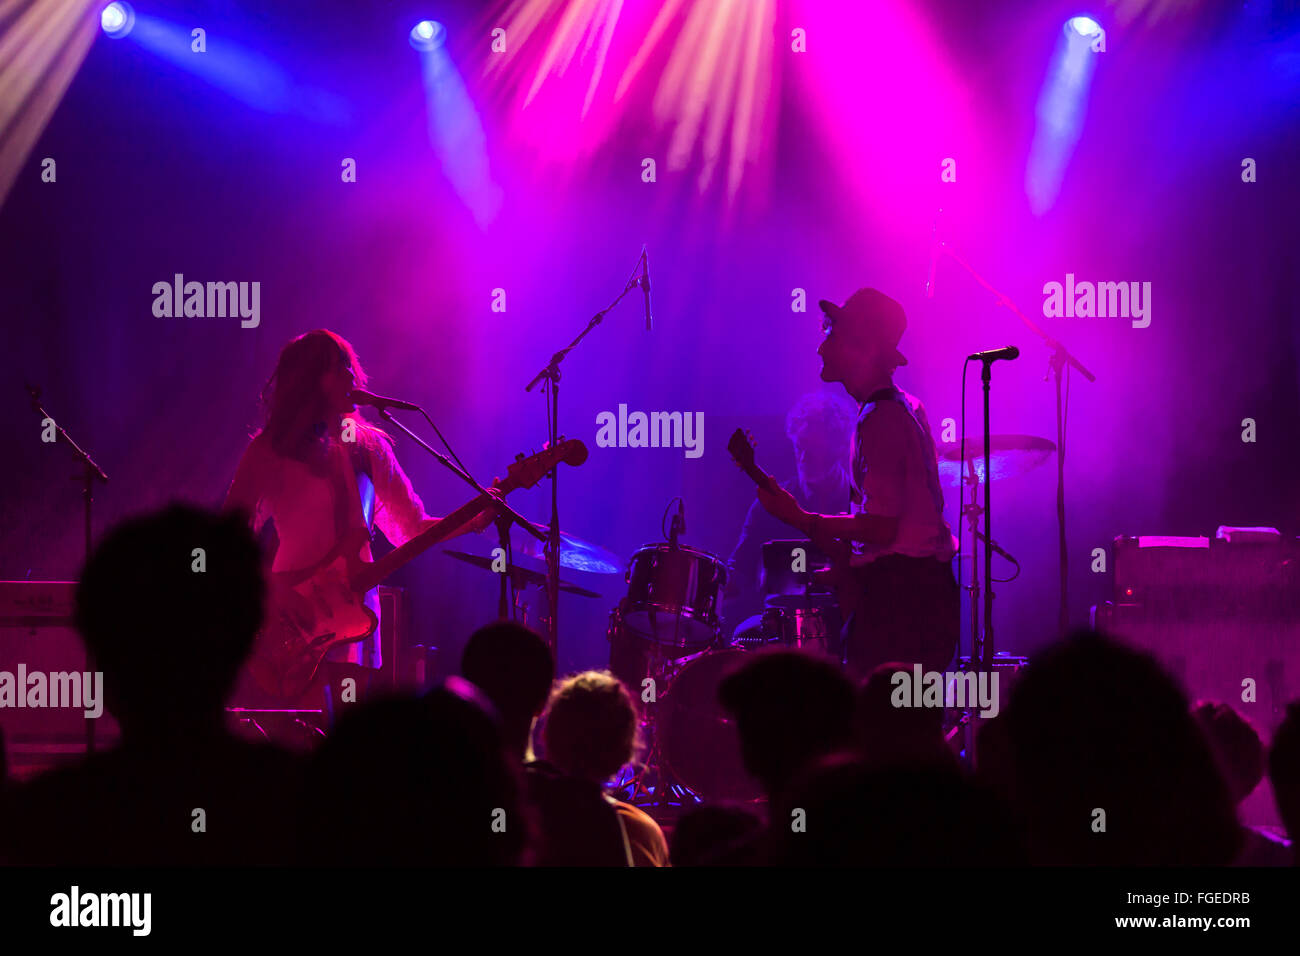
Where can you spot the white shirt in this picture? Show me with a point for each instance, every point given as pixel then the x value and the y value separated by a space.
pixel 302 503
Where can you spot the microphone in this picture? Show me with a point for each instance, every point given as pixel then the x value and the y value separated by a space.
pixel 934 257
pixel 995 548
pixel 678 527
pixel 362 397
pixel 992 355
pixel 645 288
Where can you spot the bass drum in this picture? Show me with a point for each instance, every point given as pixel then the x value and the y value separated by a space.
pixel 699 743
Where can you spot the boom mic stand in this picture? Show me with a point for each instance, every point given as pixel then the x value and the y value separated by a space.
pixel 550 374
pixel 505 514
pixel 90 473
pixel 1057 363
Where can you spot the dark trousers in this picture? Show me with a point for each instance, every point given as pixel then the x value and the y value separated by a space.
pixel 909 611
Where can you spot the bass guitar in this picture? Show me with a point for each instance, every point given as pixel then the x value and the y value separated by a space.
pixel 312 610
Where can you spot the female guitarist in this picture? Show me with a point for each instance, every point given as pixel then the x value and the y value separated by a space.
pixel 320 474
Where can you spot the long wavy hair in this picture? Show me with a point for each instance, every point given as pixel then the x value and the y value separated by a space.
pixel 297 410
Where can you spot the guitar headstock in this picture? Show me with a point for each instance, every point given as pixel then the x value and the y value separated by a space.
pixel 526 471
pixel 741 446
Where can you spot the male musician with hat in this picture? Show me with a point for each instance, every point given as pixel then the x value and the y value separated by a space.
pixel 896 549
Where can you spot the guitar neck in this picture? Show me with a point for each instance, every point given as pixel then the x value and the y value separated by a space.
pixel 522 473
pixel 375 573
pixel 759 476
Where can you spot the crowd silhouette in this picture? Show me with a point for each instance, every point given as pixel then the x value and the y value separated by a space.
pixel 1097 756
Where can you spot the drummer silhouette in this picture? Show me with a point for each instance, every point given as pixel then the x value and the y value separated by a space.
pixel 820 428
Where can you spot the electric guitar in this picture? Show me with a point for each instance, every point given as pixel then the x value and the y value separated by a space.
pixel 841 577
pixel 312 610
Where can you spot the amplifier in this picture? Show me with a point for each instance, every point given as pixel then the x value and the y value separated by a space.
pixel 36 603
pixel 37 638
pixel 1218 613
pixel 1252 575
pixel 407 667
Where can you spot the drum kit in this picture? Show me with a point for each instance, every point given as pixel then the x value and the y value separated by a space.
pixel 666 639
pixel 667 643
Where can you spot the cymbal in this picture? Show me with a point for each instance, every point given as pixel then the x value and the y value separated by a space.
pixel 1009 455
pixel 574 552
pixel 522 576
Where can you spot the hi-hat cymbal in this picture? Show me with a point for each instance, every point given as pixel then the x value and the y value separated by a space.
pixel 574 552
pixel 1009 455
pixel 522 576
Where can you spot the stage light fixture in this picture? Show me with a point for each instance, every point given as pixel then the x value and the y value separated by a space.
pixel 117 19
pixel 428 35
pixel 1083 26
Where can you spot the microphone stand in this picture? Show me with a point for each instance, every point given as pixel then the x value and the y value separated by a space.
pixel 90 473
pixel 550 374
pixel 985 651
pixel 1057 363
pixel 505 514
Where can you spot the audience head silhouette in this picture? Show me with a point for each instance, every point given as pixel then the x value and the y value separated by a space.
pixel 591 726
pixel 513 666
pixel 168 605
pixel 1108 765
pixel 888 735
pixel 790 707
pixel 416 782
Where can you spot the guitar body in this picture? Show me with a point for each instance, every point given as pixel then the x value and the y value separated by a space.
pixel 308 614
pixel 313 610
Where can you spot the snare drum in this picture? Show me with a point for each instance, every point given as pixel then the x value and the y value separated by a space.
pixel 673 596
pixel 813 628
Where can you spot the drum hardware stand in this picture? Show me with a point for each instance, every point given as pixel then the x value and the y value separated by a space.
pixel 551 376
pixel 675 531
pixel 90 473
pixel 982 644
pixel 504 602
pixel 972 511
pixel 248 717
pixel 666 786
